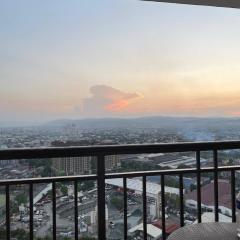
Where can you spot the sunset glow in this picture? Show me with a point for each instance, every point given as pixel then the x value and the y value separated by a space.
pixel 117 59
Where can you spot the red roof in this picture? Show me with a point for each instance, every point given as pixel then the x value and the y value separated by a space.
pixel 207 194
pixel 170 227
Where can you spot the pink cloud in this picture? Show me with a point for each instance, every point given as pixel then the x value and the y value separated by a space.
pixel 106 100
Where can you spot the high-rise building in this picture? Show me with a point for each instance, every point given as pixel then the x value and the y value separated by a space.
pixel 73 165
pixel 159 205
pixel 83 165
pixel 112 162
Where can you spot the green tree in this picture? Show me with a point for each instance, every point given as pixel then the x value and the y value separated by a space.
pixel 2 234
pixel 171 182
pixel 64 189
pixel 45 166
pixel 192 187
pixel 117 202
pixel 20 234
pixel 86 186
pixel 21 198
pixel 87 238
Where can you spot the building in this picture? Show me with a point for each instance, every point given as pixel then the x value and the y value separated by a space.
pixel 135 186
pixel 83 165
pixel 174 161
pixel 169 224
pixel 224 197
pixel 158 205
pixel 210 217
pixel 153 233
pixel 112 162
pixel 73 165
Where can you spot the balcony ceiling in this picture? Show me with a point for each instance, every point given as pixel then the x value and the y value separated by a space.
pixel 214 3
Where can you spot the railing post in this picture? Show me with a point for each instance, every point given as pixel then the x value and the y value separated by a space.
pixel 54 222
pixel 215 159
pixel 31 222
pixel 144 208
pixel 199 200
pixel 233 193
pixel 181 200
pixel 8 234
pixel 76 209
pixel 125 208
pixel 101 196
pixel 163 207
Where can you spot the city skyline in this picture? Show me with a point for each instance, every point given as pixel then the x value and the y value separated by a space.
pixel 94 59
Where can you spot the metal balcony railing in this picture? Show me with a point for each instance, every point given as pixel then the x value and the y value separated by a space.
pixel 100 152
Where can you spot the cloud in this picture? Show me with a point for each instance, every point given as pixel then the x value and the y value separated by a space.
pixel 107 101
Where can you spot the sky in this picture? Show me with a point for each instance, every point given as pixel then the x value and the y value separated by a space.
pixel 117 58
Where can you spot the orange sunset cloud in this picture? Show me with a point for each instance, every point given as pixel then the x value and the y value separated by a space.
pixel 106 100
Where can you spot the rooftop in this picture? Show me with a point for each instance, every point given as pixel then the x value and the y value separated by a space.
pixel 151 230
pixel 136 185
pixel 224 194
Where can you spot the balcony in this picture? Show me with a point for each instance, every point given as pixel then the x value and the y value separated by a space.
pixel 100 152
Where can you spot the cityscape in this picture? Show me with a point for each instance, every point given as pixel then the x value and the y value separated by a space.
pixel 78 133
pixel 119 120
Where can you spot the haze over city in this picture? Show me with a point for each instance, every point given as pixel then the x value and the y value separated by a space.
pixel 119 119
pixel 94 59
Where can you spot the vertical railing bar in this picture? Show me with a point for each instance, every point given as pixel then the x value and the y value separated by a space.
pixel 215 158
pixel 125 208
pixel 31 210
pixel 199 198
pixel 233 193
pixel 144 208
pixel 101 196
pixel 163 207
pixel 76 208
pixel 181 200
pixel 54 231
pixel 8 234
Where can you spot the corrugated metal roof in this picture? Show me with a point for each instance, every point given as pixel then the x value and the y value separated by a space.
pixel 136 184
pixel 224 194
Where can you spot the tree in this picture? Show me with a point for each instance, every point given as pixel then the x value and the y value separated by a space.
pixel 44 238
pixel 14 206
pixel 173 200
pixel 47 171
pixel 171 182
pixel 44 164
pixel 21 198
pixel 86 186
pixel 117 202
pixel 2 234
pixel 64 189
pixel 133 166
pixel 192 187
pixel 87 238
pixel 49 194
pixel 20 234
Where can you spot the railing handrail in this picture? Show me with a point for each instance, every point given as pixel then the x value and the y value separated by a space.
pixel 100 152
pixel 76 151
pixel 129 174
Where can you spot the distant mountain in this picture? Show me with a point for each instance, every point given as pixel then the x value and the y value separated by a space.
pixel 4 124
pixel 150 122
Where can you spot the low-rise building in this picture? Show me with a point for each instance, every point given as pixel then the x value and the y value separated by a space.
pixel 207 197
pixel 210 217
pixel 153 233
